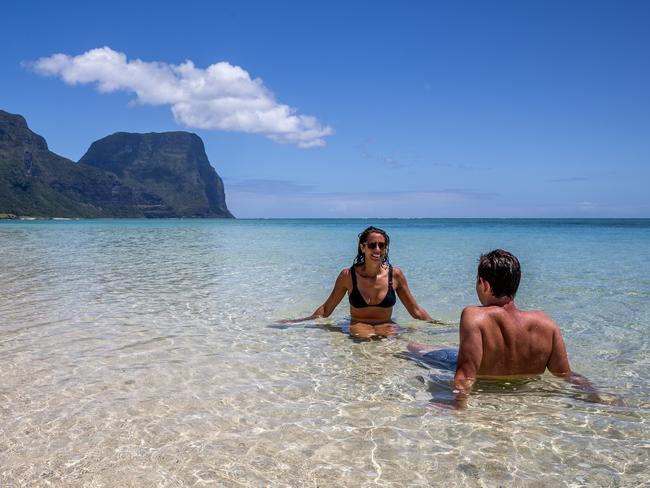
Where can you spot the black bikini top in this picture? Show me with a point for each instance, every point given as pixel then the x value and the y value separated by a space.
pixel 357 301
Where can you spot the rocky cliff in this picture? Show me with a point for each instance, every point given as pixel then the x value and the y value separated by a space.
pixel 172 166
pixel 123 175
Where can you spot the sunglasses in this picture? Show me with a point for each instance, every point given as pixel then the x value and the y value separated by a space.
pixel 375 245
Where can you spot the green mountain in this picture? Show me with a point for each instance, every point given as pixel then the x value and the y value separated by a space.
pixel 172 166
pixel 122 175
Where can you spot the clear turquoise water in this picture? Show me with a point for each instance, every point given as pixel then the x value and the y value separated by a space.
pixel 147 353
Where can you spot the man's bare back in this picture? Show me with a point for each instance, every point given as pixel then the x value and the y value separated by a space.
pixel 512 342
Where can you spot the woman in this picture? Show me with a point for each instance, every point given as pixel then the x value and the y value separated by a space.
pixel 372 285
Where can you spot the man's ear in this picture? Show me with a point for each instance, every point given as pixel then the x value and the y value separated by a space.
pixel 485 286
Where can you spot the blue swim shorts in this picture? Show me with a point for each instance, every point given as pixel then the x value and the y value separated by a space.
pixel 442 358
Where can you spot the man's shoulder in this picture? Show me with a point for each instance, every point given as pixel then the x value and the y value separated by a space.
pixel 474 316
pixel 539 317
pixel 473 309
pixel 481 311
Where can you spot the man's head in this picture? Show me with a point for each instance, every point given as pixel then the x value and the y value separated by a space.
pixel 501 270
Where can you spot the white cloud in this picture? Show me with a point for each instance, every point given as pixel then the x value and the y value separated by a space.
pixel 219 97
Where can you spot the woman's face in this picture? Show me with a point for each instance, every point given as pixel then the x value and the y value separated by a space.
pixel 374 248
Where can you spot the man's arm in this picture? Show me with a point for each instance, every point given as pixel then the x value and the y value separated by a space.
pixel 470 354
pixel 558 365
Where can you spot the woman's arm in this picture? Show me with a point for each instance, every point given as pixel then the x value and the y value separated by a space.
pixel 326 309
pixel 404 294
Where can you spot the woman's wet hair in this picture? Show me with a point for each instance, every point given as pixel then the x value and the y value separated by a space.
pixel 502 271
pixel 363 237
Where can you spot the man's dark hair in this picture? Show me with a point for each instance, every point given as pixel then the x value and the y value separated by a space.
pixel 502 271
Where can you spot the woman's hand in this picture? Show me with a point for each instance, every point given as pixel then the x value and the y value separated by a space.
pixel 293 321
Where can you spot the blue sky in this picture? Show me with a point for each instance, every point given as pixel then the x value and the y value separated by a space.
pixel 357 109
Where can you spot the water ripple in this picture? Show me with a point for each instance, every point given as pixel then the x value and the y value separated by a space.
pixel 148 354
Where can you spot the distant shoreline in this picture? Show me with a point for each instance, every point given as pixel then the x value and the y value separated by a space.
pixel 13 217
pixel 10 216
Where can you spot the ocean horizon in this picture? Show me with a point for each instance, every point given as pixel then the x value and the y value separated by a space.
pixel 142 352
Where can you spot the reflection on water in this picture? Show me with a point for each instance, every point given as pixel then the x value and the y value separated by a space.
pixel 148 354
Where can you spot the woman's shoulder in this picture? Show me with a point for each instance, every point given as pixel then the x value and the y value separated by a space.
pixel 398 276
pixel 344 279
pixel 345 273
pixel 397 272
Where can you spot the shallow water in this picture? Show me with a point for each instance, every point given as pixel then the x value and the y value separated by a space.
pixel 147 353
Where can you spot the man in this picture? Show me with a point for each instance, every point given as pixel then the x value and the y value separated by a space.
pixel 497 339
